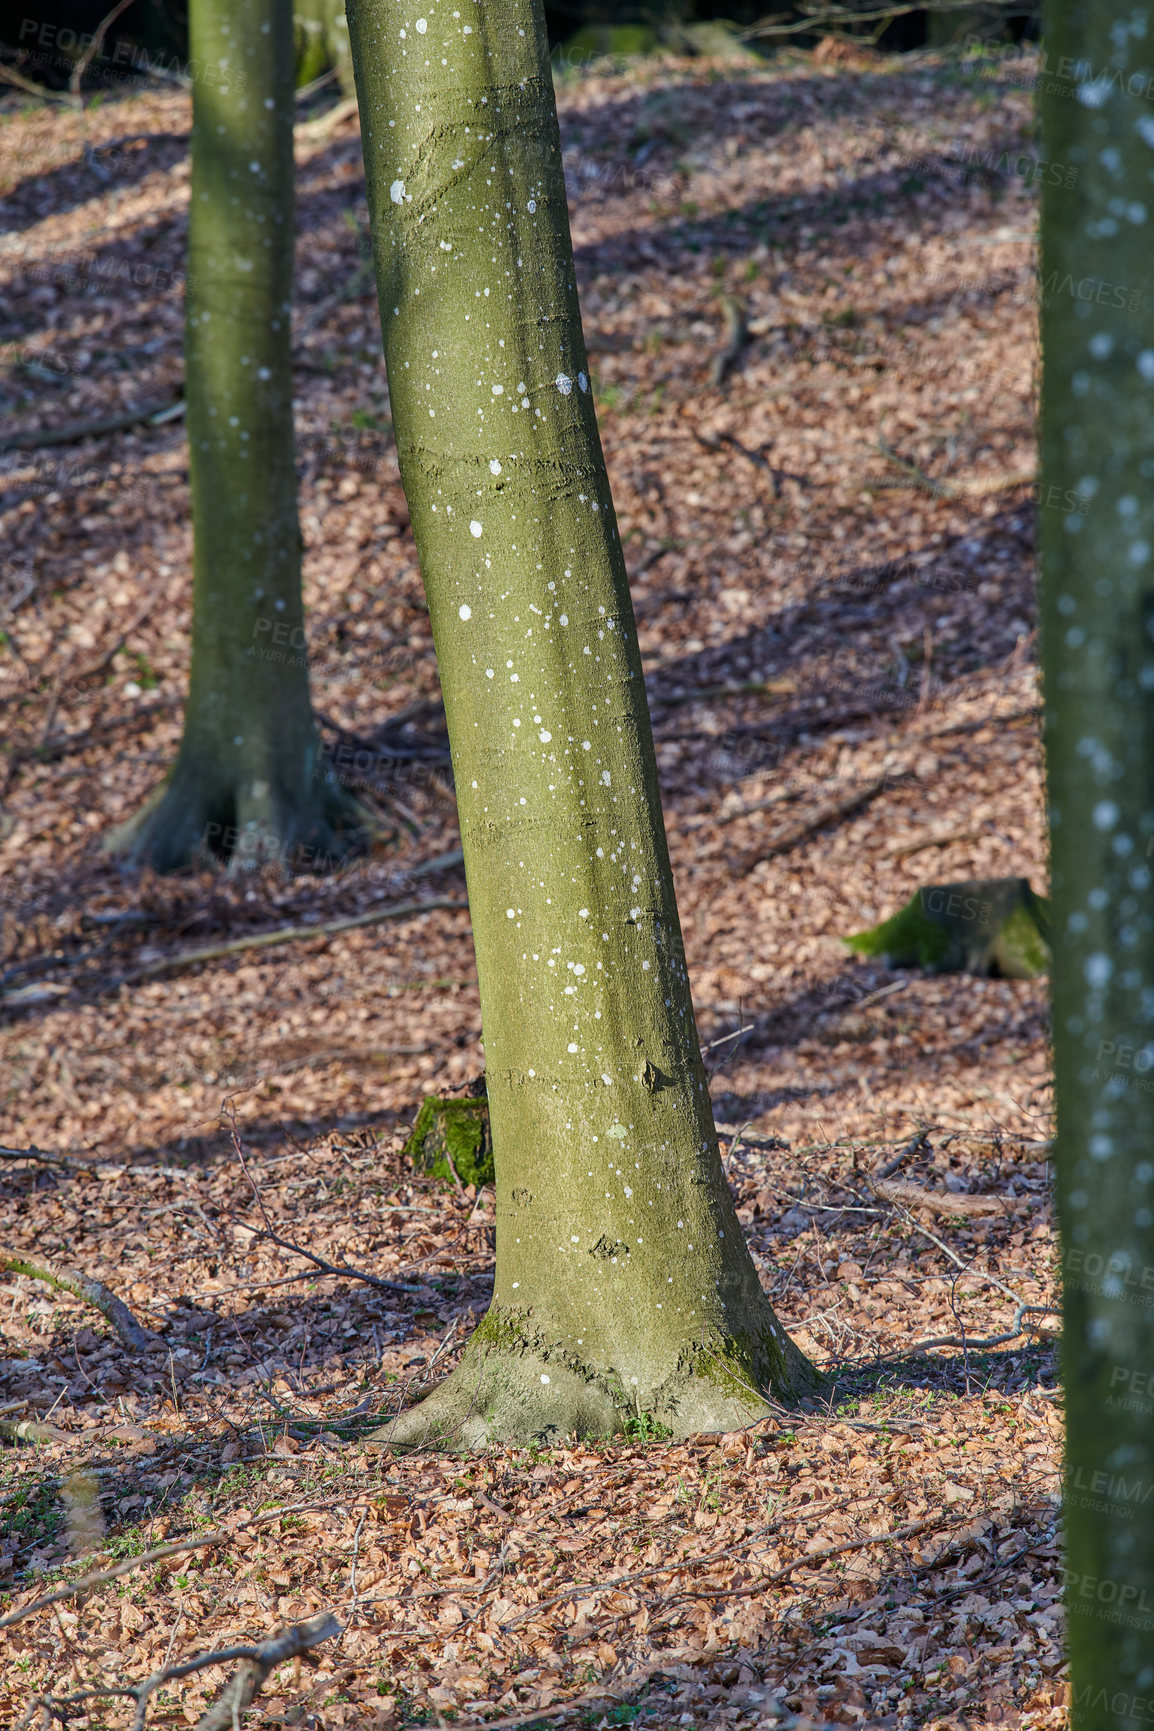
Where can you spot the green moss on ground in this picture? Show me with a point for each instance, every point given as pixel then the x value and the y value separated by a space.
pixel 995 926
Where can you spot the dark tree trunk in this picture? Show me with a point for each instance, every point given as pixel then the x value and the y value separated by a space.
pixel 1097 535
pixel 250 782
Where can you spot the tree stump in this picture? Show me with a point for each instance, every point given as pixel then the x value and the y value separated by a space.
pixel 995 927
pixel 451 1139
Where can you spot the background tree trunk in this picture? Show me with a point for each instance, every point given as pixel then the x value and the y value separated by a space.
pixel 624 1289
pixel 1098 625
pixel 250 781
pixel 322 41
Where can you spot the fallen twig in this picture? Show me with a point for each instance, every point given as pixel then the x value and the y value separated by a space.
pixel 956 1202
pixel 85 1584
pixel 340 1268
pixel 915 1144
pixel 98 1168
pixel 1017 1329
pixel 710 693
pixel 269 1232
pixel 64 744
pixel 326 123
pixel 638 1575
pixel 967 1268
pixel 783 840
pixel 83 1286
pixel 10 76
pixel 751 1141
pixel 980 487
pixel 1030 712
pixel 678 1565
pixel 809 1558
pixel 74 430
pixel 906 849
pixel 287 935
pixel 235 1698
pixel 30 1430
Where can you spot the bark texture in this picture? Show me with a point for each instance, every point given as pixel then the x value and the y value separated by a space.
pixel 624 1288
pixel 250 782
pixel 1098 625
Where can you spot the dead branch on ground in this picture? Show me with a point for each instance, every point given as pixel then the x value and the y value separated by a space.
pixel 92 50
pixel 75 430
pixel 785 839
pixel 288 935
pixel 257 1663
pixel 85 1584
pixel 342 1269
pixel 83 1286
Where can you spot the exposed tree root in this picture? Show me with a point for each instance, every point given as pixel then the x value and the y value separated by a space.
pixel 83 1286
pixel 500 1395
pixel 197 814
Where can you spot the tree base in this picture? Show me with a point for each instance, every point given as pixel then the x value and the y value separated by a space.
pixel 196 816
pixel 500 1396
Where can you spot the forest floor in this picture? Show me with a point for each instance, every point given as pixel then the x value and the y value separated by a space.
pixel 830 536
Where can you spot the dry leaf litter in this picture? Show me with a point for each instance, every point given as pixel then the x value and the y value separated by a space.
pixel 809 294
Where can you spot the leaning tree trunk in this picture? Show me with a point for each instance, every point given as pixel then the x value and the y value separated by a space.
pixel 1098 626
pixel 250 781
pixel 623 1287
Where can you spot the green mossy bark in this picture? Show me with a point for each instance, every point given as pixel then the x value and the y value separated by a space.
pixel 622 1274
pixel 992 926
pixel 250 782
pixel 1097 441
pixel 451 1140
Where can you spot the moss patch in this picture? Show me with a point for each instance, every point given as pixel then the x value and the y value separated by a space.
pixel 451 1138
pixel 994 926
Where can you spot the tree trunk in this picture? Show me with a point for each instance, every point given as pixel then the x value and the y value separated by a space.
pixel 1097 532
pixel 250 781
pixel 322 42
pixel 624 1290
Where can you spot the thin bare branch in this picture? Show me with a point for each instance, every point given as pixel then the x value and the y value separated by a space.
pixel 93 49
pixel 85 1584
pixel 237 1695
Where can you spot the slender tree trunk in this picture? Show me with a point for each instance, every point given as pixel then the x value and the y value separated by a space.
pixel 250 781
pixel 322 41
pixel 1097 535
pixel 624 1288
